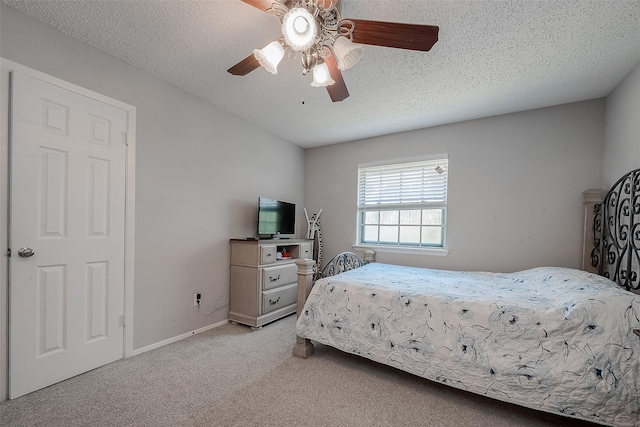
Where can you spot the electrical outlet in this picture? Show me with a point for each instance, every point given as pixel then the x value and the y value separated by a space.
pixel 196 298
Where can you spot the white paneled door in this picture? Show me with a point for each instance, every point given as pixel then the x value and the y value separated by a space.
pixel 67 207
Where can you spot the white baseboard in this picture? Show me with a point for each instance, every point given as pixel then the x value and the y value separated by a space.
pixel 177 338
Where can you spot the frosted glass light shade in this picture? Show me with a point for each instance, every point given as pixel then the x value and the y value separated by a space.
pixel 299 29
pixel 321 76
pixel 347 53
pixel 270 56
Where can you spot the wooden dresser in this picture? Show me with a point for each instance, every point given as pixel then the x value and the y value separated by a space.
pixel 263 283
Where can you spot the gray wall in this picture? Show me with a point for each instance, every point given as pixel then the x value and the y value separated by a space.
pixel 199 172
pixel 515 186
pixel 622 129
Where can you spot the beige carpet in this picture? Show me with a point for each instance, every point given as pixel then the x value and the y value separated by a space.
pixel 230 376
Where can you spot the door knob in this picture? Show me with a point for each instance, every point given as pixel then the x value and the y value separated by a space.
pixel 25 252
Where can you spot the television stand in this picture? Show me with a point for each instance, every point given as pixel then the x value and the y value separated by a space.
pixel 264 288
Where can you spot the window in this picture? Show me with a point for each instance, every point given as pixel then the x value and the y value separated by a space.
pixel 403 204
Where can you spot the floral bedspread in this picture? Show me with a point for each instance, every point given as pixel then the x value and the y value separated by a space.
pixel 554 339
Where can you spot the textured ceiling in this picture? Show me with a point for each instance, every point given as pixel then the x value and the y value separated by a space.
pixel 493 57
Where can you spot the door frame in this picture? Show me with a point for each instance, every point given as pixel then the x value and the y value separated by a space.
pixel 7 68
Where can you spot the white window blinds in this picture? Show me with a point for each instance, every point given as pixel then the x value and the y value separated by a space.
pixel 401 186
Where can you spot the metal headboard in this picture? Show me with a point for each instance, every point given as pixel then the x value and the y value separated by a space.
pixel 345 261
pixel 616 233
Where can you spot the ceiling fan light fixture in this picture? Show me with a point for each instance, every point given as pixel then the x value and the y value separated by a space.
pixel 299 29
pixel 270 56
pixel 315 31
pixel 321 75
pixel 347 53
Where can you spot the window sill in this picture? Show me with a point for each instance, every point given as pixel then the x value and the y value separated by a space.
pixel 403 250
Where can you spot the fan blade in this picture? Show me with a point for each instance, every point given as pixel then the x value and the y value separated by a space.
pixel 392 34
pixel 263 5
pixel 245 66
pixel 337 91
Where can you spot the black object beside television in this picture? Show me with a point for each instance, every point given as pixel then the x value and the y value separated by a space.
pixel 275 217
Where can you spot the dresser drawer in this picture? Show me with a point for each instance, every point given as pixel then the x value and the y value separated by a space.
pixel 267 254
pixel 272 277
pixel 278 298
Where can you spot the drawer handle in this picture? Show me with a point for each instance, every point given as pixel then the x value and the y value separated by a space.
pixel 274 279
pixel 268 255
pixel 274 302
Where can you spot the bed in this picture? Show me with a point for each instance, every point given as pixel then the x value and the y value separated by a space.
pixel 560 340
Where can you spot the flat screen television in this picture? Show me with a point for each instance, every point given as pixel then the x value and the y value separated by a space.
pixel 275 217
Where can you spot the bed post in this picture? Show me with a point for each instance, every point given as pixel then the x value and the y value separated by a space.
pixel 591 199
pixel 369 256
pixel 303 347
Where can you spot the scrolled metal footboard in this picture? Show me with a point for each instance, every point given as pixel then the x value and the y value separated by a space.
pixel 616 233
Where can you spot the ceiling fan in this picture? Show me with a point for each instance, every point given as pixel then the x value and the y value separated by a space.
pixel 327 43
